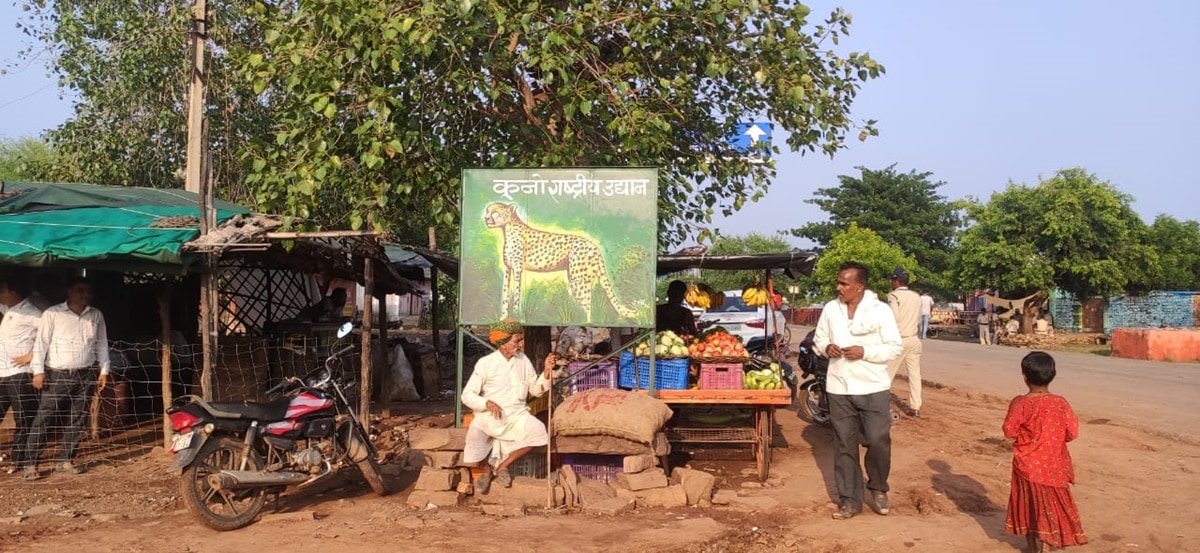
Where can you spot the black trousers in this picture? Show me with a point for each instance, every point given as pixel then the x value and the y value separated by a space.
pixel 866 420
pixel 17 393
pixel 64 392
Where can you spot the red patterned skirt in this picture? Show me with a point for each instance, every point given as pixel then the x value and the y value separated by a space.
pixel 1045 511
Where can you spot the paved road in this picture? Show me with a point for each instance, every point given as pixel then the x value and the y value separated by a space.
pixel 1153 395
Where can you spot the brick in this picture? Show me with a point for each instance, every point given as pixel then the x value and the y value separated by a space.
pixel 504 510
pixel 724 497
pixel 441 459
pixel 670 496
pixel 437 439
pixel 529 492
pixel 436 480
pixel 625 494
pixel 697 484
pixel 638 463
pixel 421 499
pixel 594 491
pixel 612 506
pixel 654 478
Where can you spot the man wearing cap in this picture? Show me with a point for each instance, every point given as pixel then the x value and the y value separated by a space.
pixel 906 306
pixel 503 429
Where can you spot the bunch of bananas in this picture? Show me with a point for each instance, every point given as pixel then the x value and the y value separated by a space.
pixel 755 295
pixel 703 296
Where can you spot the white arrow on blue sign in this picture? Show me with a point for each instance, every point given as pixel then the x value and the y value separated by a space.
pixel 748 136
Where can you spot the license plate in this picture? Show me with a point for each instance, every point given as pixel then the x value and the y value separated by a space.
pixel 180 442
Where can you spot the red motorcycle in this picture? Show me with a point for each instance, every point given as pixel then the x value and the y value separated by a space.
pixel 229 456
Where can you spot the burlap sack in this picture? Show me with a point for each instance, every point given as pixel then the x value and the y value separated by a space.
pixel 611 412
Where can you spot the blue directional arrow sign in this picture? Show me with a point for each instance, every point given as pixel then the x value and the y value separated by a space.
pixel 748 137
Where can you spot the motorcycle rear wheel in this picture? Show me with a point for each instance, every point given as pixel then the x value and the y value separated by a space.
pixel 810 404
pixel 221 509
pixel 357 447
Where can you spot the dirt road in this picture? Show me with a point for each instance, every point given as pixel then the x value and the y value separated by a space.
pixel 950 476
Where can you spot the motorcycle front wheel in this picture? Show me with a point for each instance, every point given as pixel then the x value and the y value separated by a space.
pixel 810 404
pixel 221 509
pixel 359 450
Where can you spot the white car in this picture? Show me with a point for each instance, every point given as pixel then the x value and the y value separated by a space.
pixel 741 320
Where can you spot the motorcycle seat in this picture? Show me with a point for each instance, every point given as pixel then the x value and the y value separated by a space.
pixel 271 411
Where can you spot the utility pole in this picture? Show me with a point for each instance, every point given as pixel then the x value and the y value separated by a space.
pixel 195 138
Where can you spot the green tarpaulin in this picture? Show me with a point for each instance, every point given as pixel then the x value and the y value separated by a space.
pixel 99 226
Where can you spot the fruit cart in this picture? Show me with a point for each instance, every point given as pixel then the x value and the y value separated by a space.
pixel 762 404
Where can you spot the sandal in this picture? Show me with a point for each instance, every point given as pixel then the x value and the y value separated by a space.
pixel 483 483
pixel 30 473
pixel 504 477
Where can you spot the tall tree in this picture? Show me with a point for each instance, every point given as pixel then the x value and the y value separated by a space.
pixel 866 247
pixel 128 64
pixel 1071 231
pixel 1178 246
pixel 904 209
pixel 25 159
pixel 381 104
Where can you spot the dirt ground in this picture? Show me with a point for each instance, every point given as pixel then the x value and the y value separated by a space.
pixel 950 479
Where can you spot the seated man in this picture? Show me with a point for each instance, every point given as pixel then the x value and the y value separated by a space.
pixel 673 315
pixel 503 430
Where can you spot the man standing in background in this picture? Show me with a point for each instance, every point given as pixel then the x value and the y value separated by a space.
pixel 69 356
pixel 907 308
pixel 926 313
pixel 18 331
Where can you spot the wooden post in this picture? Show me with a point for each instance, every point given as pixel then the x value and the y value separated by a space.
pixel 164 317
pixel 385 386
pixel 433 292
pixel 364 385
pixel 195 143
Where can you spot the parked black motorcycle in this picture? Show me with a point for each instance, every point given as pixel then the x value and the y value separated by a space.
pixel 814 404
pixel 229 456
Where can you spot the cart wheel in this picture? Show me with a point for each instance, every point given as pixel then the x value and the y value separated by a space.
pixel 762 444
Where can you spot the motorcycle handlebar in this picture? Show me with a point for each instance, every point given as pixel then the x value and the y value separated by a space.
pixel 281 386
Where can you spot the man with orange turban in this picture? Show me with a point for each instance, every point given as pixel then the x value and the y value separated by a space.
pixel 503 429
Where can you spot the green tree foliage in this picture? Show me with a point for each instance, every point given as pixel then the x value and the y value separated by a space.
pixel 25 159
pixel 380 105
pixel 1071 231
pixel 864 246
pixel 129 64
pixel 1178 246
pixel 904 209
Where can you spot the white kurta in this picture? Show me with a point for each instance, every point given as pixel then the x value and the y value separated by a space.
pixel 507 383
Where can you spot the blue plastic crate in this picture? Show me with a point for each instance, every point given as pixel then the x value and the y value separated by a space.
pixel 669 374
pixel 602 375
pixel 604 468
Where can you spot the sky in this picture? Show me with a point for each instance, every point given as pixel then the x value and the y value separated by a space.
pixel 980 94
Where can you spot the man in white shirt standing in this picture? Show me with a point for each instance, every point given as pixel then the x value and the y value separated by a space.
pixel 858 334
pixel 906 306
pixel 926 313
pixel 69 356
pixel 18 330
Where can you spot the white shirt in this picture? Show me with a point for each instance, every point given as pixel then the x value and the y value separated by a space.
pixel 67 341
pixel 505 382
pixel 874 328
pixel 18 331
pixel 926 305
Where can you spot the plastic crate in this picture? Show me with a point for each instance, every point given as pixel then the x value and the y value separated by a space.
pixel 532 464
pixel 670 374
pixel 603 375
pixel 721 376
pixel 595 467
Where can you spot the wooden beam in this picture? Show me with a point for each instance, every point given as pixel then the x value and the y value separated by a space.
pixel 320 234
pixel 364 385
pixel 165 290
pixel 385 385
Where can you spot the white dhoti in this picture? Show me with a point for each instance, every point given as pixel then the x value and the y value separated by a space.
pixel 495 440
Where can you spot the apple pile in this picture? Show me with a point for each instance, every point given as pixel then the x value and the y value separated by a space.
pixel 717 344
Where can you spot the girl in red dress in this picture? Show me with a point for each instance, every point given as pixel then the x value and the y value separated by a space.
pixel 1040 506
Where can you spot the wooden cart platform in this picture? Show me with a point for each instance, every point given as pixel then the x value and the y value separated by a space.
pixel 763 404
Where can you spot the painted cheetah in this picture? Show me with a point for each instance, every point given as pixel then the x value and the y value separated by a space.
pixel 529 249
